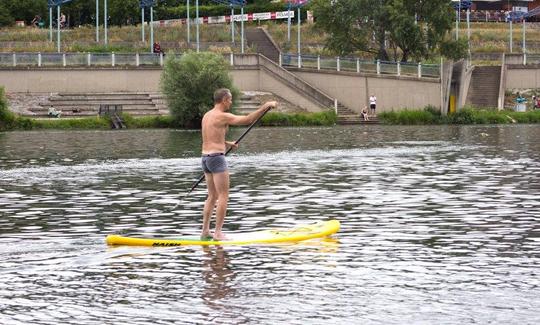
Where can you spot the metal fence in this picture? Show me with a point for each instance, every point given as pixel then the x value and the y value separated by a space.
pixel 80 59
pixel 361 66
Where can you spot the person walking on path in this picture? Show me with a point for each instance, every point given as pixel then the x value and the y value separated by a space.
pixel 215 124
pixel 373 104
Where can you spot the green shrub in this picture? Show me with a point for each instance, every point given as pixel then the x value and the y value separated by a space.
pixel 468 115
pixel 464 116
pixel 430 115
pixel 189 83
pixel 147 122
pixel 24 123
pixel 67 123
pixel 7 118
pixel 325 118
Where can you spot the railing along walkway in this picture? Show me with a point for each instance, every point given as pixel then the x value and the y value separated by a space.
pixel 154 59
pixel 361 66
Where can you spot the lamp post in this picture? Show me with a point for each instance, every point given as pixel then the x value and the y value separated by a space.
pixel 188 23
pixel 524 46
pixel 197 22
pixel 232 24
pixel 151 29
pixel 142 24
pixel 58 28
pixel 97 21
pixel 106 23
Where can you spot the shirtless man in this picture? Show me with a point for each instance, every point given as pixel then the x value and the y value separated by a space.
pixel 215 124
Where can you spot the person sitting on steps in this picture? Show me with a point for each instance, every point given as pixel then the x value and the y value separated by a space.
pixel 52 112
pixel 364 114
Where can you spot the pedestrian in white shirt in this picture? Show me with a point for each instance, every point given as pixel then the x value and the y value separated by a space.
pixel 373 104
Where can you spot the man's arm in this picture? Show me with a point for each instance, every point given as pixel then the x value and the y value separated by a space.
pixel 232 119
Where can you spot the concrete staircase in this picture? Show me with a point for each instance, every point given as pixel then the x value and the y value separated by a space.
pixel 247 104
pixel 347 117
pixel 484 86
pixel 88 104
pixel 261 40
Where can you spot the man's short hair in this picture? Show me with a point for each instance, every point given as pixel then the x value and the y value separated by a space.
pixel 221 94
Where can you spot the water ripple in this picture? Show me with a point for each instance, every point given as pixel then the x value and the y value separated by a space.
pixel 439 221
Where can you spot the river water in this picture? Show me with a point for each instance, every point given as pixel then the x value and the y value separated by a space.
pixel 440 225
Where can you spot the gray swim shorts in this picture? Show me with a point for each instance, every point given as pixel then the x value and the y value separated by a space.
pixel 214 163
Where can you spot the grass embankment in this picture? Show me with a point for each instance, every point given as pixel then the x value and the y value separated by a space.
pixel 155 122
pixel 125 39
pixel 464 116
pixel 325 118
pixel 10 121
pixel 89 123
pixel 485 37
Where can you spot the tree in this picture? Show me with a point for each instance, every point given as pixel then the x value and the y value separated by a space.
pixel 346 23
pixel 25 9
pixel 412 28
pixel 122 11
pixel 5 16
pixel 189 83
pixel 7 118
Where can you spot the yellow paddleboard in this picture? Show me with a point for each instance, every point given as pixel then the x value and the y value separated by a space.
pixel 296 234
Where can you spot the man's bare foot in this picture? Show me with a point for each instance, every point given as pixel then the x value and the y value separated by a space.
pixel 207 236
pixel 220 236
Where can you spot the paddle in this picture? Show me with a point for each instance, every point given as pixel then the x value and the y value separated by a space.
pixel 199 180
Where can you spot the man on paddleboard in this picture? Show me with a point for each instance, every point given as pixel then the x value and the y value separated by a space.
pixel 215 124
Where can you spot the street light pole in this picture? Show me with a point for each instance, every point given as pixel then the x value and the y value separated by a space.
pixel 232 24
pixel 242 27
pixel 299 21
pixel 289 24
pixel 106 23
pixel 58 28
pixel 188 23
pixel 97 21
pixel 142 24
pixel 511 36
pixel 197 22
pixel 152 29
pixel 524 36
pixel 50 24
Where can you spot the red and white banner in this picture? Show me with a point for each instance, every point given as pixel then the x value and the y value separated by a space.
pixel 227 19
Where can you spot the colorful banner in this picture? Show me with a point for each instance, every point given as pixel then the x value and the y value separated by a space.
pixel 227 19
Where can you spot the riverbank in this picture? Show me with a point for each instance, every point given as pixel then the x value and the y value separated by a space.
pixel 15 122
pixel 464 116
pixel 328 118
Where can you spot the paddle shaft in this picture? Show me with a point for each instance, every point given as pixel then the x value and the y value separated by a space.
pixel 199 180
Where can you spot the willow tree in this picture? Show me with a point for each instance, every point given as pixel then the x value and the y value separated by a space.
pixel 404 28
pixel 189 82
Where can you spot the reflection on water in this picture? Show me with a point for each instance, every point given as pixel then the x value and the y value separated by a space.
pixel 438 225
pixel 217 274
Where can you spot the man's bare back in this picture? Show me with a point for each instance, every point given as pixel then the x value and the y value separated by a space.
pixel 214 128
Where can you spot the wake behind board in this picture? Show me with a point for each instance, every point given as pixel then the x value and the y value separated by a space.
pixel 296 234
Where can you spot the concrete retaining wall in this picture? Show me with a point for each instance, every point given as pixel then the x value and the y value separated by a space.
pixel 522 77
pixel 351 89
pixel 80 80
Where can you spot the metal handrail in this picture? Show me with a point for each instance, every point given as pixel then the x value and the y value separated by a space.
pixel 309 61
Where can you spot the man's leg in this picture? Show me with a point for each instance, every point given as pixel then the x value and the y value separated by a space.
pixel 221 183
pixel 209 205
